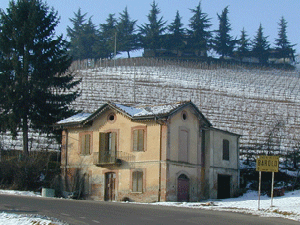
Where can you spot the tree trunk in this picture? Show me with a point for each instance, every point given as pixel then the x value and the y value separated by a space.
pixel 25 135
pixel 128 54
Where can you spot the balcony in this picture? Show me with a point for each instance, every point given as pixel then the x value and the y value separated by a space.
pixel 107 158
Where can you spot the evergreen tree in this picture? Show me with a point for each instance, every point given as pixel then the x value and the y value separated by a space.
pixel 127 39
pixel 199 35
pixel 84 37
pixel 243 45
pixel 33 69
pixel 151 33
pixel 108 35
pixel 283 46
pixel 76 34
pixel 176 37
pixel 91 38
pixel 223 42
pixel 260 46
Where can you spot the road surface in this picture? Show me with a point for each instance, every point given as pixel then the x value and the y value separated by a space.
pixel 79 212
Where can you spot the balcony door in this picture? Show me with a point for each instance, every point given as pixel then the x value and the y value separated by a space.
pixel 110 186
pixel 107 151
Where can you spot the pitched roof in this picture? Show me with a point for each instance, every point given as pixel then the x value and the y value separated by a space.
pixel 138 112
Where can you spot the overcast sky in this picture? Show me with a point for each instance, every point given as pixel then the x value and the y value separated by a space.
pixel 242 13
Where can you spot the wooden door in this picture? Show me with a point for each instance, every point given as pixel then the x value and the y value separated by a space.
pixel 183 188
pixel 110 186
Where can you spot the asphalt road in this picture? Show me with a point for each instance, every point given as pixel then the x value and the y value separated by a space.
pixel 91 212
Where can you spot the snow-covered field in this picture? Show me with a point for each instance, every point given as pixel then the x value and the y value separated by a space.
pixel 287 206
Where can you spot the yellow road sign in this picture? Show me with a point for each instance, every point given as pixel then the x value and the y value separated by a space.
pixel 267 163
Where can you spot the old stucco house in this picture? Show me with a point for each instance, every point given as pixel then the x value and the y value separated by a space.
pixel 151 153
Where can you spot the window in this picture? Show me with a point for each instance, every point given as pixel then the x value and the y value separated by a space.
pixel 108 141
pixel 137 181
pixel 225 149
pixel 111 117
pixel 184 115
pixel 183 145
pixel 85 143
pixel 139 139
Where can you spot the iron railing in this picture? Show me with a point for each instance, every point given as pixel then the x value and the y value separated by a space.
pixel 112 157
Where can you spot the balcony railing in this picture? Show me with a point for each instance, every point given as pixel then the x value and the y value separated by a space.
pixel 112 158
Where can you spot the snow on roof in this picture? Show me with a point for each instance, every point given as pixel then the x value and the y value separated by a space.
pixel 137 111
pixel 130 110
pixel 148 110
pixel 76 118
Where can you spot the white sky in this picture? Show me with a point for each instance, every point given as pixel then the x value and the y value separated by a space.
pixel 247 14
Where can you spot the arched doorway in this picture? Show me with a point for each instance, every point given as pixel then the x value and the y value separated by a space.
pixel 183 188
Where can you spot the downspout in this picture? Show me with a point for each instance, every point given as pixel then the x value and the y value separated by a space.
pixel 160 157
pixel 66 158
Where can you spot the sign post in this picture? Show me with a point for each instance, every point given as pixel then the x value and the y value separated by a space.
pixel 266 163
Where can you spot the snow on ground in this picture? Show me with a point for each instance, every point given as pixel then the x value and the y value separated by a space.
pixel 24 219
pixel 287 206
pixel 15 219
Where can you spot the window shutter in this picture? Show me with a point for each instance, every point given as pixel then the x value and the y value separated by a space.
pixel 141 140
pixel 140 181
pixel 102 146
pixel 113 143
pixel 135 140
pixel 82 143
pixel 87 144
pixel 134 181
pixel 102 140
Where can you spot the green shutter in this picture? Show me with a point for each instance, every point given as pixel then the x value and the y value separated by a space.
pixel 82 143
pixel 87 144
pixel 140 181
pixel 141 140
pixel 135 140
pixel 137 181
pixel 102 146
pixel 113 143
pixel 134 181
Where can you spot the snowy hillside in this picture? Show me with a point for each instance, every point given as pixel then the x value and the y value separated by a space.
pixel 262 105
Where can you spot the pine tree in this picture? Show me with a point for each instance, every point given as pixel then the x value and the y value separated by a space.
pixel 243 45
pixel 284 47
pixel 127 39
pixel 33 70
pixel 108 35
pixel 223 42
pixel 176 37
pixel 261 46
pixel 76 34
pixel 199 35
pixel 151 33
pixel 84 36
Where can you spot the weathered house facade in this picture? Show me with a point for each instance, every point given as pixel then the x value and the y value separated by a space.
pixel 150 153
